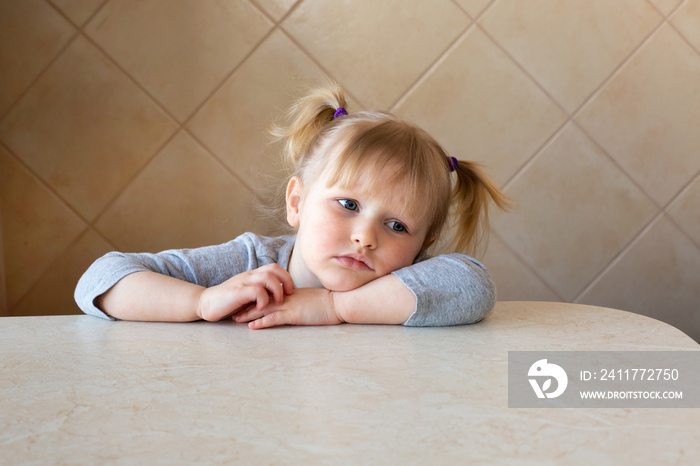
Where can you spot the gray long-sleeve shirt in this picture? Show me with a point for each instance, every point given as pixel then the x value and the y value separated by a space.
pixel 450 289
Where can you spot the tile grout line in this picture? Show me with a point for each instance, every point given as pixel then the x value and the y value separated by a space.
pixel 129 77
pixel 522 68
pixel 620 254
pixel 531 159
pixel 32 82
pixel 76 32
pixel 617 165
pixel 311 57
pixel 228 75
pixel 291 9
pixel 276 26
pixel 136 174
pixel 425 74
pixel 327 72
pixel 663 212
pixel 667 207
pixel 432 66
pixel 218 160
pixel 180 126
pixel 571 118
pixel 480 14
pixel 53 263
pixel 88 225
pixel 618 69
pixel 536 153
pixel 52 192
pixel 184 126
pixel 40 181
pixel 154 102
pixel 678 31
pixel 87 20
pixel 529 267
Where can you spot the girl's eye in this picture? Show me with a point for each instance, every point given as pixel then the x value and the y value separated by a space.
pixel 348 204
pixel 397 226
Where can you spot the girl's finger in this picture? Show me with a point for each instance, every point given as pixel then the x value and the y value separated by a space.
pixel 262 297
pixel 285 282
pixel 270 320
pixel 239 316
pixel 247 316
pixel 282 277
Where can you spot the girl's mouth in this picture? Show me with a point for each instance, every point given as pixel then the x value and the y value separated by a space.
pixel 354 262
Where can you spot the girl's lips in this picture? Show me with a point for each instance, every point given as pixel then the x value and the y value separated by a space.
pixel 354 262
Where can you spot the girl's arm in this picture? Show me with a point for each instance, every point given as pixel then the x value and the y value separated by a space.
pixel 171 285
pixel 451 289
pixel 150 296
pixel 383 301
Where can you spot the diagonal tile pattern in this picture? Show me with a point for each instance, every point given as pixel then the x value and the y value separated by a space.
pixel 78 11
pixel 657 151
pixel 661 264
pixel 179 51
pixel 234 121
pixel 687 18
pixel 570 47
pixel 372 46
pixel 685 211
pixel 141 125
pixel 31 34
pixel 481 107
pixel 81 118
pixel 665 6
pixel 589 234
pixel 25 203
pixel 182 182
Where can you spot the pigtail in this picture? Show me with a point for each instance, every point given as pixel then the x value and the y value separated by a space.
pixel 472 195
pixel 308 117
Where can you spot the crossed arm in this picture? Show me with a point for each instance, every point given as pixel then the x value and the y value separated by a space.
pixel 263 297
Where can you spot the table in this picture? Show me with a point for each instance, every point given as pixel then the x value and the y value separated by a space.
pixel 80 390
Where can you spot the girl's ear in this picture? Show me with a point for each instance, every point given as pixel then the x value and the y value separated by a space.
pixel 295 189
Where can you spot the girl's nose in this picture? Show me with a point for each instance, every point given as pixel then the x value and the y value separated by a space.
pixel 365 236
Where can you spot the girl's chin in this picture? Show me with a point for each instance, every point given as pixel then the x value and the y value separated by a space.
pixel 343 284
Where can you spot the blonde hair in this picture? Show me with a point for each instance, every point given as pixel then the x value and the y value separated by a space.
pixel 366 142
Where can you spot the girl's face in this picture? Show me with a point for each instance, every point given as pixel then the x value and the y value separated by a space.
pixel 348 236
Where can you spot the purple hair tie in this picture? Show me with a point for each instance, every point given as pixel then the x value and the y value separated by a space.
pixel 339 111
pixel 454 163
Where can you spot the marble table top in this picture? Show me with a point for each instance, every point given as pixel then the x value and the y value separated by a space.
pixel 80 390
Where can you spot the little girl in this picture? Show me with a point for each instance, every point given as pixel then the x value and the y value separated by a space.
pixel 368 195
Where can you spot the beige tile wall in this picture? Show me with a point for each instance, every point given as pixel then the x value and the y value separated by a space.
pixel 140 125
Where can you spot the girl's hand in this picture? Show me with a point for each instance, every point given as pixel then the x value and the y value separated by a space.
pixel 308 306
pixel 252 290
